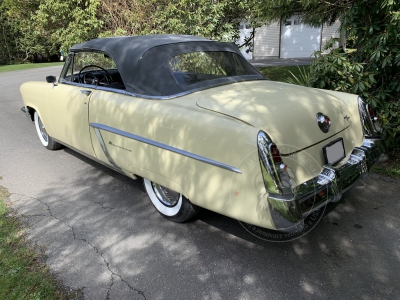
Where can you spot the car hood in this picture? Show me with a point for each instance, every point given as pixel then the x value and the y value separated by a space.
pixel 286 112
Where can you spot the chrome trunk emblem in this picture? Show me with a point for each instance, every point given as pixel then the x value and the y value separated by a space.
pixel 323 122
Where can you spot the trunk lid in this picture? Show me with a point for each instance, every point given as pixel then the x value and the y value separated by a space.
pixel 286 112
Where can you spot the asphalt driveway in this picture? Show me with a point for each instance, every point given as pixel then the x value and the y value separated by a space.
pixel 102 236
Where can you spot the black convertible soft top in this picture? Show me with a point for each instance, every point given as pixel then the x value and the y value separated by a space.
pixel 143 61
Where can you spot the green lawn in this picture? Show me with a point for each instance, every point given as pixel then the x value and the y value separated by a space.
pixel 280 73
pixel 8 68
pixel 22 276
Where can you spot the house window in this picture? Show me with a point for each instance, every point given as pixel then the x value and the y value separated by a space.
pixel 297 22
pixel 288 22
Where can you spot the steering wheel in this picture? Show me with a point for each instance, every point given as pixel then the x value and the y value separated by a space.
pixel 94 80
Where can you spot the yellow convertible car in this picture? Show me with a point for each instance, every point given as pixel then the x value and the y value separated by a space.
pixel 204 128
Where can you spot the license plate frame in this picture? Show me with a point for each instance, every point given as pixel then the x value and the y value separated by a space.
pixel 334 152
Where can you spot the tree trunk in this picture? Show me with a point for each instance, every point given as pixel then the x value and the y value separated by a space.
pixel 342 39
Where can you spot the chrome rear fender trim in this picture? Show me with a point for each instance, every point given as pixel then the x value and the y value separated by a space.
pixel 98 127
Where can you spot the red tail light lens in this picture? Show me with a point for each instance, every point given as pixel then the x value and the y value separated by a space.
pixel 372 113
pixel 276 156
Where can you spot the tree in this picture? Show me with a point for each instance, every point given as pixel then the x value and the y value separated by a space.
pixel 66 23
pixel 34 28
pixel 18 40
pixel 217 20
pixel 312 12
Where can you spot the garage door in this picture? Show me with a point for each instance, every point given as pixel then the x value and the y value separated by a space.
pixel 299 40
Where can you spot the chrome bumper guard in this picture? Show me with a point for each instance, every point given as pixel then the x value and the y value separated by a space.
pixel 289 211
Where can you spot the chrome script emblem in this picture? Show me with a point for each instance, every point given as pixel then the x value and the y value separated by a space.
pixel 323 122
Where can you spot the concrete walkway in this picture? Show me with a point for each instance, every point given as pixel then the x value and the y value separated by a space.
pixel 272 62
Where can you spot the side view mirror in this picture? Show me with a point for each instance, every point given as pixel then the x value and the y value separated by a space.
pixel 51 79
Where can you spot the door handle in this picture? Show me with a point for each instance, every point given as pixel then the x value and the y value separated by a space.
pixel 86 92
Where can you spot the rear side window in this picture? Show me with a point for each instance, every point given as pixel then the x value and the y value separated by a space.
pixel 195 67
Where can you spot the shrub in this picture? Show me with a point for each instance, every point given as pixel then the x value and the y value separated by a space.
pixel 303 77
pixel 346 72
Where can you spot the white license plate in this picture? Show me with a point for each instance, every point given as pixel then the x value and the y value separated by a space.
pixel 333 152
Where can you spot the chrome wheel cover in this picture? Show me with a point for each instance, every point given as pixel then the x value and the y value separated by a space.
pixel 165 195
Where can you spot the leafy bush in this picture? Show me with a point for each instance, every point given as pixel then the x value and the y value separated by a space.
pixel 339 71
pixel 303 77
pixel 336 71
pixel 389 115
pixel 372 70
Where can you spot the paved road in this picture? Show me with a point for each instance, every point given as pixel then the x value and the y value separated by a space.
pixel 101 234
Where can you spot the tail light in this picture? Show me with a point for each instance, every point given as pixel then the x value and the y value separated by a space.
pixel 371 112
pixel 275 170
pixel 369 120
pixel 276 156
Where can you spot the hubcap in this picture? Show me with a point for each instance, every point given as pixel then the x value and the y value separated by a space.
pixel 165 195
pixel 43 131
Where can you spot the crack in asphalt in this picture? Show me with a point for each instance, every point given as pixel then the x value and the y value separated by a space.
pixel 139 292
pixel 37 221
pixel 110 287
pixel 103 206
pixel 109 268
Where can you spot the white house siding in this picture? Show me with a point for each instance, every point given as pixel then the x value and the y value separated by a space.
pixel 329 32
pixel 266 41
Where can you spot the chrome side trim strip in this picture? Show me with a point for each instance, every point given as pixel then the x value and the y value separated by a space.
pixel 83 85
pixel 135 137
pixel 103 146
pixel 124 92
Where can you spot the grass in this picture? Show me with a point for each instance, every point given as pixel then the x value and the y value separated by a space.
pixel 390 167
pixel 22 276
pixel 8 68
pixel 281 73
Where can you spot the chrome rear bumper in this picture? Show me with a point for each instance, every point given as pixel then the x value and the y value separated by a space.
pixel 288 212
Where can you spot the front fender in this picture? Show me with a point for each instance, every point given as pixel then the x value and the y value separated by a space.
pixel 35 96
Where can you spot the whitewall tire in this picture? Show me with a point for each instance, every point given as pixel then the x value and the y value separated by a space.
pixel 170 204
pixel 44 137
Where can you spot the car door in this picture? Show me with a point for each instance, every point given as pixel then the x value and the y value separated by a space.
pixel 69 109
pixel 69 100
